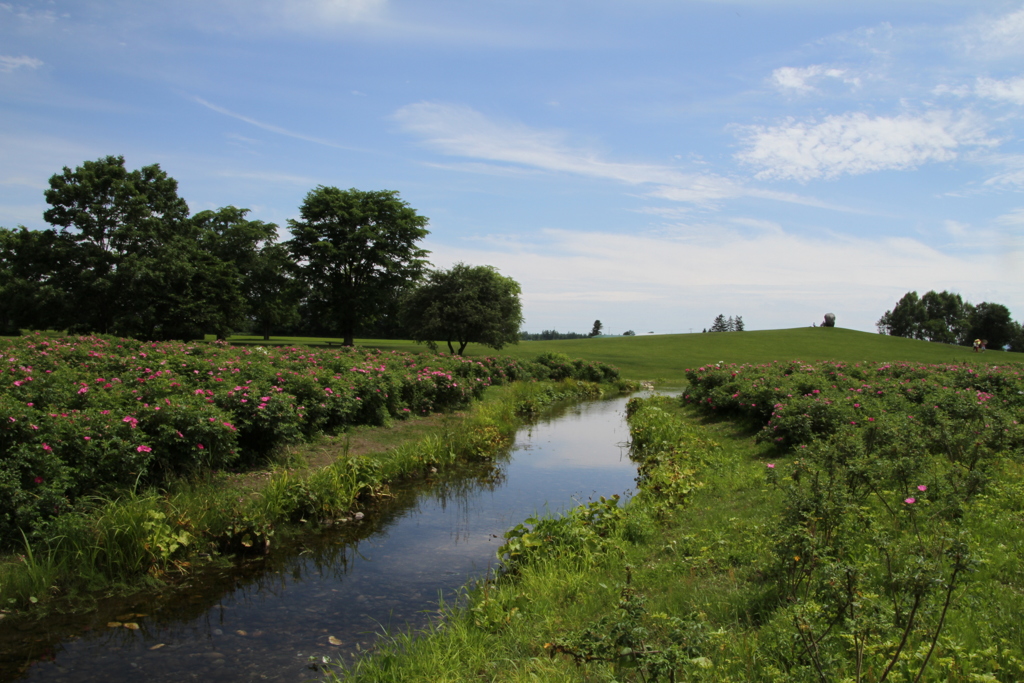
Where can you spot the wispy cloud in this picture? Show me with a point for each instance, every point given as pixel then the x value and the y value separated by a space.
pixel 269 127
pixel 9 63
pixel 459 130
pixel 855 143
pixel 803 79
pixel 1013 175
pixel 995 37
pixel 1011 90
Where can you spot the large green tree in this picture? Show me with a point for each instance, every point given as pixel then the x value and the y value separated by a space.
pixel 465 304
pixel 353 249
pixel 126 246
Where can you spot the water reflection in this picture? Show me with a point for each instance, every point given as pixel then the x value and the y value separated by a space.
pixel 328 594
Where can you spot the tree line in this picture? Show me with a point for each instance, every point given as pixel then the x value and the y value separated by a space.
pixel 125 256
pixel 945 317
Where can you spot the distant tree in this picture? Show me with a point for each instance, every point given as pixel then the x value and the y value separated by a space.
pixel 548 335
pixel 905 319
pixel 720 324
pixel 730 324
pixel 1016 343
pixel 629 333
pixel 465 304
pixel 232 247
pixel 945 318
pixel 738 324
pixel 272 290
pixel 937 316
pixel 353 250
pixel 992 322
pixel 596 329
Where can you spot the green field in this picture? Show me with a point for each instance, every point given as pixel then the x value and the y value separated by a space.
pixel 668 356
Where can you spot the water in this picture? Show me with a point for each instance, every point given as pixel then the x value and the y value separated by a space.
pixel 331 594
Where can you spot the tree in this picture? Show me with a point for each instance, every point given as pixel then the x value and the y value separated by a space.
pixel 1016 343
pixel 272 290
pixel 28 298
pixel 596 330
pixel 720 324
pixel 992 322
pixel 939 317
pixel 945 317
pixel 905 319
pixel 465 304
pixel 241 253
pixel 738 324
pixel 127 253
pixel 629 333
pixel 354 248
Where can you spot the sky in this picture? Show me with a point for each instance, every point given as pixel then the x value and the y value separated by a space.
pixel 647 163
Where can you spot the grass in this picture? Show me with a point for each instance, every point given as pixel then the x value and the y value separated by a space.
pixel 668 356
pixel 679 592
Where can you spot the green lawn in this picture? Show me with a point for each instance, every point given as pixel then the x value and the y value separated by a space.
pixel 668 356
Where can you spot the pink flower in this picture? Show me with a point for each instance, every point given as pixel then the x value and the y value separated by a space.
pixel 910 501
pixel 87 438
pixel 200 446
pixel 771 466
pixel 143 449
pixel 46 447
pixel 38 480
pixel 922 487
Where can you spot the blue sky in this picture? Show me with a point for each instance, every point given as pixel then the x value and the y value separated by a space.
pixel 648 163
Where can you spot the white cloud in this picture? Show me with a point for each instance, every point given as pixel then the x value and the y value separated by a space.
pixel 1011 90
pixel 462 131
pixel 855 143
pixel 802 79
pixel 684 279
pixel 9 63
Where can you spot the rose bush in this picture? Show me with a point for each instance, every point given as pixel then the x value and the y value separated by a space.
pixel 84 415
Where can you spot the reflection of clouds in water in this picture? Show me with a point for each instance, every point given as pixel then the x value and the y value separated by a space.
pixel 588 437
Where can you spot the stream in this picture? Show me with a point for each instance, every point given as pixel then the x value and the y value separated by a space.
pixel 333 593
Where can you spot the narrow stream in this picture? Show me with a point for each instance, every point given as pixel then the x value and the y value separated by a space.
pixel 332 593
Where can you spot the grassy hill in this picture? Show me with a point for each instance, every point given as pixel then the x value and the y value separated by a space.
pixel 668 356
